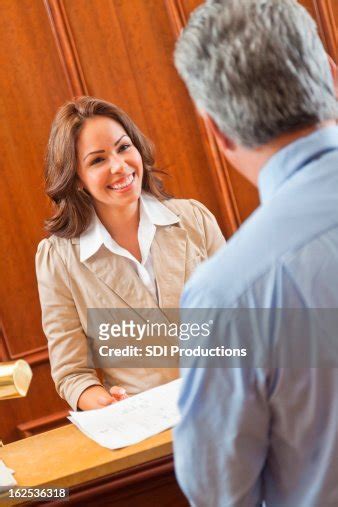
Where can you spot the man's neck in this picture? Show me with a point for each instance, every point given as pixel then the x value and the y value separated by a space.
pixel 253 160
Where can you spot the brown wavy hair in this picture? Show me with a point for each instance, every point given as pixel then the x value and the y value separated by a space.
pixel 74 208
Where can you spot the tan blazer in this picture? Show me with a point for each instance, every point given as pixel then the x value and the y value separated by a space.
pixel 67 287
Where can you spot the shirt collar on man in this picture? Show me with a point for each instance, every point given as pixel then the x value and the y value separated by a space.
pixel 293 157
pixel 152 213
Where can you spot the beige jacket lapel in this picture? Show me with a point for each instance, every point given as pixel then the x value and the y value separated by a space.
pixel 169 257
pixel 117 273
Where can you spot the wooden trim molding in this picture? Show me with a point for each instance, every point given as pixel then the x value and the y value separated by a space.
pixel 222 180
pixel 327 25
pixel 4 346
pixel 177 15
pixel 161 467
pixel 66 47
pixel 41 424
pixel 3 352
pixel 34 356
pixel 178 18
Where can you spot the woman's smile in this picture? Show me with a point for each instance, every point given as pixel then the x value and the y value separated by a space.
pixel 123 184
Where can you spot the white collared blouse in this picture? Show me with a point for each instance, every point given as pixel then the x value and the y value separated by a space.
pixel 152 213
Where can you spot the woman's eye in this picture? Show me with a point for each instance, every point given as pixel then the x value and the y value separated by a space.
pixel 124 147
pixel 96 160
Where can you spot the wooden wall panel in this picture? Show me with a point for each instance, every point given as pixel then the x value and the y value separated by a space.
pixel 66 47
pixel 243 195
pixel 326 13
pixel 335 20
pixel 41 401
pixel 131 65
pixel 32 85
pixel 239 196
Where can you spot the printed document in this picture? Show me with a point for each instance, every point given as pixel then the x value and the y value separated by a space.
pixel 129 421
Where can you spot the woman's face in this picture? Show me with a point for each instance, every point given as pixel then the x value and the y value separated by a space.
pixel 110 167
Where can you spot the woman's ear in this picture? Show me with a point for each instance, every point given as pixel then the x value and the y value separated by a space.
pixel 334 72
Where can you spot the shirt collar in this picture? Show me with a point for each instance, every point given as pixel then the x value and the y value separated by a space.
pixel 293 157
pixel 157 212
pixel 152 213
pixel 91 239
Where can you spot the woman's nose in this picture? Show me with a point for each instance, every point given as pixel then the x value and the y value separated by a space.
pixel 117 165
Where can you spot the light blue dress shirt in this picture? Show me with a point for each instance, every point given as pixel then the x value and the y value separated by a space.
pixel 249 435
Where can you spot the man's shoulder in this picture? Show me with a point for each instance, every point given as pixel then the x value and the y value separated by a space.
pixel 274 235
pixel 235 266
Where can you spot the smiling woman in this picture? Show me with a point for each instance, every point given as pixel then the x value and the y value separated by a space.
pixel 117 241
pixel 82 129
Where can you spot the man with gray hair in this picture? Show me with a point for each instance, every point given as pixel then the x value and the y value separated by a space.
pixel 259 74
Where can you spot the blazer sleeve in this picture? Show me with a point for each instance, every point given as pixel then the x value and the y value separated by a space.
pixel 209 227
pixel 67 342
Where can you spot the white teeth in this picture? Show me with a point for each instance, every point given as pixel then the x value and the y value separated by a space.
pixel 127 182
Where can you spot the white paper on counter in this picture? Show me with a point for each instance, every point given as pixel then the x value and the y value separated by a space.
pixel 132 420
pixel 6 478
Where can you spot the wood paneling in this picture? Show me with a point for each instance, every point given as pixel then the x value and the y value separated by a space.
pixel 32 85
pixel 335 22
pixel 326 13
pixel 44 423
pixel 30 413
pixel 151 484
pixel 66 47
pixel 130 64
pixel 240 197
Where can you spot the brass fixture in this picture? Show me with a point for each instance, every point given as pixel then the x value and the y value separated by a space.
pixel 15 377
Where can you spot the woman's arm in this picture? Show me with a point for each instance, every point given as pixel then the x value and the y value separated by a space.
pixel 75 381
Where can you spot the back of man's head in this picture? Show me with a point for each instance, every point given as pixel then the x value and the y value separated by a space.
pixel 257 67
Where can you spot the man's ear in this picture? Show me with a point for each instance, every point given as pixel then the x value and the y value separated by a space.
pixel 224 142
pixel 334 72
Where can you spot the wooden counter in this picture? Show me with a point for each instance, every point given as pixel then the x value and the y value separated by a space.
pixel 141 474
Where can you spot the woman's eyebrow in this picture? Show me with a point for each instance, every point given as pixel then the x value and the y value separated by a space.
pixel 102 151
pixel 93 153
pixel 117 142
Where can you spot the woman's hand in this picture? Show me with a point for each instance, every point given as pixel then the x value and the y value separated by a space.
pixel 98 397
pixel 118 393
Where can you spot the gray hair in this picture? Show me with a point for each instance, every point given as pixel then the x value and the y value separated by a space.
pixel 257 67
